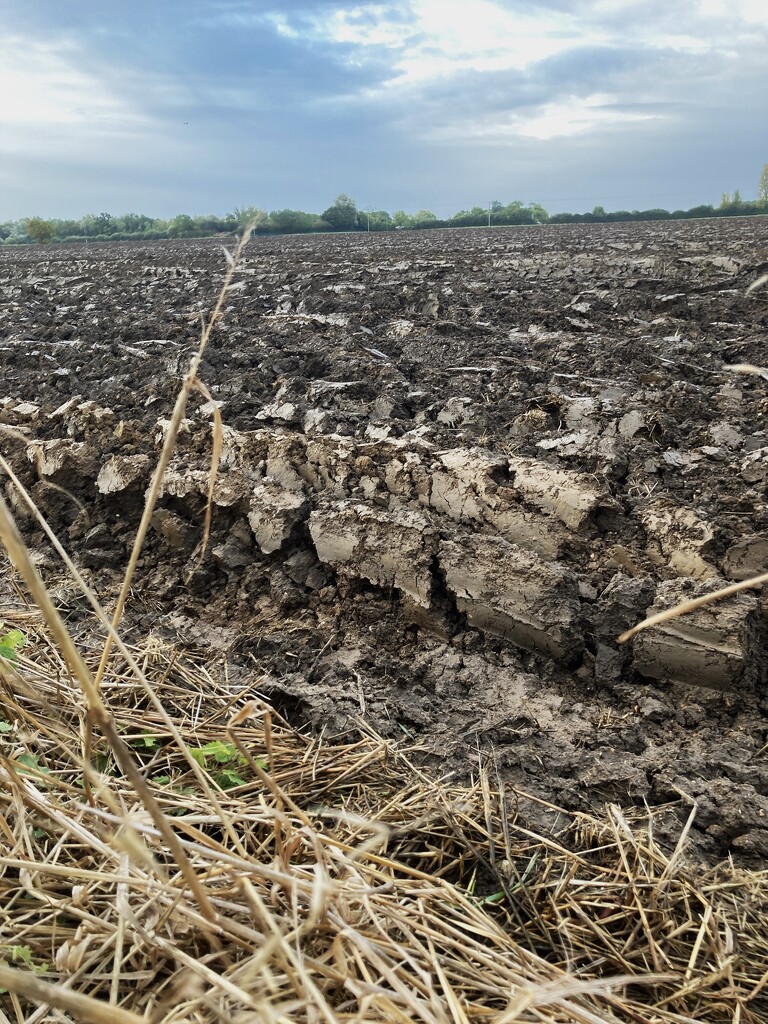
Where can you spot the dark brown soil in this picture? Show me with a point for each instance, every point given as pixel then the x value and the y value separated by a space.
pixel 457 465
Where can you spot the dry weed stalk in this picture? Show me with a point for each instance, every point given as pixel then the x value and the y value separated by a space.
pixel 191 383
pixel 97 713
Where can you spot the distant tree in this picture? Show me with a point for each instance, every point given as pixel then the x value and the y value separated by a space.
pixel 380 221
pixel 181 226
pixel 291 222
pixel 401 219
pixel 248 216
pixel 98 225
pixel 599 211
pixel 342 214
pixel 517 212
pixel 700 211
pixel 213 225
pixel 40 230
pixel 424 216
pixel 67 228
pixel 132 222
pixel 476 217
pixel 496 206
pixel 373 220
pixel 538 213
pixel 725 200
pixel 762 187
pixel 654 214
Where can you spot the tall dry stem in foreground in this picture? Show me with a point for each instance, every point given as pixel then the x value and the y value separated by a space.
pixel 98 714
pixel 191 383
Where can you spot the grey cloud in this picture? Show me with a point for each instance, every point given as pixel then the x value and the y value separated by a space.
pixel 238 113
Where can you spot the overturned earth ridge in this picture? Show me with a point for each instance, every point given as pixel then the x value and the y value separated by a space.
pixel 456 466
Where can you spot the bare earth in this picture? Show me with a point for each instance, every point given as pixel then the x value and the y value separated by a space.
pixel 457 465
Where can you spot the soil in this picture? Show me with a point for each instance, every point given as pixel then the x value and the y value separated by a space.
pixel 457 465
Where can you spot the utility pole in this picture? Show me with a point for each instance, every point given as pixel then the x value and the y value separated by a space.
pixel 489 213
pixel 368 214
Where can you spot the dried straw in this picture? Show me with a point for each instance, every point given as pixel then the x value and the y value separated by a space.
pixel 347 884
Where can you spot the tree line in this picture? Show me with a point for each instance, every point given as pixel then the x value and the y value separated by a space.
pixel 344 215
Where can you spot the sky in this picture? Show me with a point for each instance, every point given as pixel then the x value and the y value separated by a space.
pixel 200 106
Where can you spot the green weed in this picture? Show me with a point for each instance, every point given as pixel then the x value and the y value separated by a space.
pixel 223 762
pixel 20 955
pixel 10 643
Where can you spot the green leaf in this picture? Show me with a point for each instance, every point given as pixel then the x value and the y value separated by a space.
pixel 23 954
pixel 31 761
pixel 10 644
pixel 199 755
pixel 227 779
pixel 225 758
pixel 221 753
pixel 6 727
pixel 145 742
pixel 495 897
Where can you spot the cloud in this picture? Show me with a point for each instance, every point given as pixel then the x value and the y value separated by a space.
pixel 430 39
pixel 752 12
pixel 45 84
pixel 212 103
pixel 491 70
pixel 573 115
pixel 427 39
pixel 650 83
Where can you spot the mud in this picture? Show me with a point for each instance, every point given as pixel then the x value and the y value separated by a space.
pixel 456 466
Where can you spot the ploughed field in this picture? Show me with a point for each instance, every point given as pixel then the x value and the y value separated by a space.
pixel 456 466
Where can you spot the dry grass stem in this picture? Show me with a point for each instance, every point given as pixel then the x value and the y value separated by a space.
pixel 698 602
pixel 189 384
pixel 757 284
